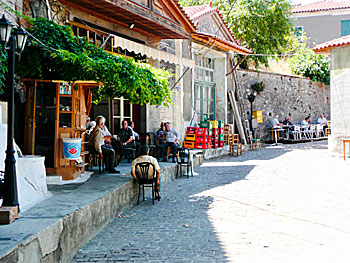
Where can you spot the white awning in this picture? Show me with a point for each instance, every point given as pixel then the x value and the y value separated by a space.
pixel 151 52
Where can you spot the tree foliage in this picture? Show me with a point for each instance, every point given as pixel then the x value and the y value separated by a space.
pixel 306 63
pixel 263 25
pixel 55 53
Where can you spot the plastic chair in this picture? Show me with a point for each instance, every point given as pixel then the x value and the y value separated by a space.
pixel 144 180
pixel 296 132
pixel 183 159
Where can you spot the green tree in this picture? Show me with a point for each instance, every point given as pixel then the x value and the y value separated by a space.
pixel 263 25
pixel 306 63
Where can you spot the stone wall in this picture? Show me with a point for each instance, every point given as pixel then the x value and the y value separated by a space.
pixel 284 95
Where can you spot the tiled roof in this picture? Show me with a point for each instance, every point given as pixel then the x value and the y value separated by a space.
pixel 195 12
pixel 184 12
pixel 325 47
pixel 222 40
pixel 325 5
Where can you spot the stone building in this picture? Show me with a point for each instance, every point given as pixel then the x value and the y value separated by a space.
pixel 284 95
pixel 322 20
pixel 339 50
pixel 213 47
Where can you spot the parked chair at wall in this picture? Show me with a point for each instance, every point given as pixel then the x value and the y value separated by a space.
pixel 183 160
pixel 235 145
pixel 143 171
pixel 254 143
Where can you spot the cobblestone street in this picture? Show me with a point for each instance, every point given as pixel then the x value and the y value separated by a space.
pixel 285 203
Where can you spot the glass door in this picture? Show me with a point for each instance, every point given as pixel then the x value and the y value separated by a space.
pixel 45 116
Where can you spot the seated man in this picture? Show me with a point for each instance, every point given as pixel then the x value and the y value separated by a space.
pixel 136 137
pixel 125 139
pixel 96 140
pixel 171 140
pixel 323 121
pixel 144 157
pixel 306 122
pixel 276 125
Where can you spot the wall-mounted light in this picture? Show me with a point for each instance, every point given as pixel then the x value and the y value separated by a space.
pixel 131 25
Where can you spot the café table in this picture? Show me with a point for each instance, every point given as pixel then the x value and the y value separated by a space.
pixel 193 152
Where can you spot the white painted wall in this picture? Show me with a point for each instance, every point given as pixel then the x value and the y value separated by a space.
pixel 340 98
pixel 31 175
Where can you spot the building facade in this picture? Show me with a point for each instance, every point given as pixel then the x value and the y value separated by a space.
pixel 322 21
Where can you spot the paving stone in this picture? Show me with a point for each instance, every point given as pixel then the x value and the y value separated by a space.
pixel 281 204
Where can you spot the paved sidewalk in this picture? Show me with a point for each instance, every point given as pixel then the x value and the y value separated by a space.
pixel 281 204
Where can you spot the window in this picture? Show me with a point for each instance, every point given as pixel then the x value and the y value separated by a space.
pixel 204 88
pixel 345 27
pixel 122 109
pixel 299 31
pixel 204 102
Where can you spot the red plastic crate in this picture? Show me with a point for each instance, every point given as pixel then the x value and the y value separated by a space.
pixel 215 131
pixel 202 131
pixel 221 143
pixel 221 130
pixel 215 144
pixel 210 145
pixel 191 130
pixel 202 145
pixel 202 138
pixel 215 137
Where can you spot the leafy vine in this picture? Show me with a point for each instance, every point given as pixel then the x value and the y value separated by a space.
pixel 55 53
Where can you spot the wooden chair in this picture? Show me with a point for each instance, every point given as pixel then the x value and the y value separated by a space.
pixel 328 129
pixel 142 173
pixel 254 143
pixel 95 159
pixel 235 145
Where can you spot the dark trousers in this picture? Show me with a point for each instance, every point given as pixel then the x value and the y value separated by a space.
pixel 108 157
pixel 164 147
pixel 118 146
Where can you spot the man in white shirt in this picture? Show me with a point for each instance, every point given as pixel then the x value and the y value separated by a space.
pixel 322 120
pixel 144 157
pixel 171 140
pixel 275 122
pixel 276 125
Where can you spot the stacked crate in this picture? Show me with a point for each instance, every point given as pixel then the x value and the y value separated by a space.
pixel 228 132
pixel 221 126
pixel 190 138
pixel 202 138
pixel 197 138
pixel 208 125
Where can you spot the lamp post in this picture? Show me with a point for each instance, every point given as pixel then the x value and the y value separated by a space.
pixel 16 40
pixel 251 97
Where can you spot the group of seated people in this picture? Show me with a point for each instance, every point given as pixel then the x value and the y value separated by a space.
pixel 101 141
pixel 288 126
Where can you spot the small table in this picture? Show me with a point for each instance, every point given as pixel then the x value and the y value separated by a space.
pixel 275 131
pixel 192 153
pixel 344 142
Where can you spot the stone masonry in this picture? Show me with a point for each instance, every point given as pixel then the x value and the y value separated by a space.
pixel 284 94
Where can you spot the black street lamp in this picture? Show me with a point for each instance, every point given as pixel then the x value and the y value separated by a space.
pixel 251 97
pixel 16 40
